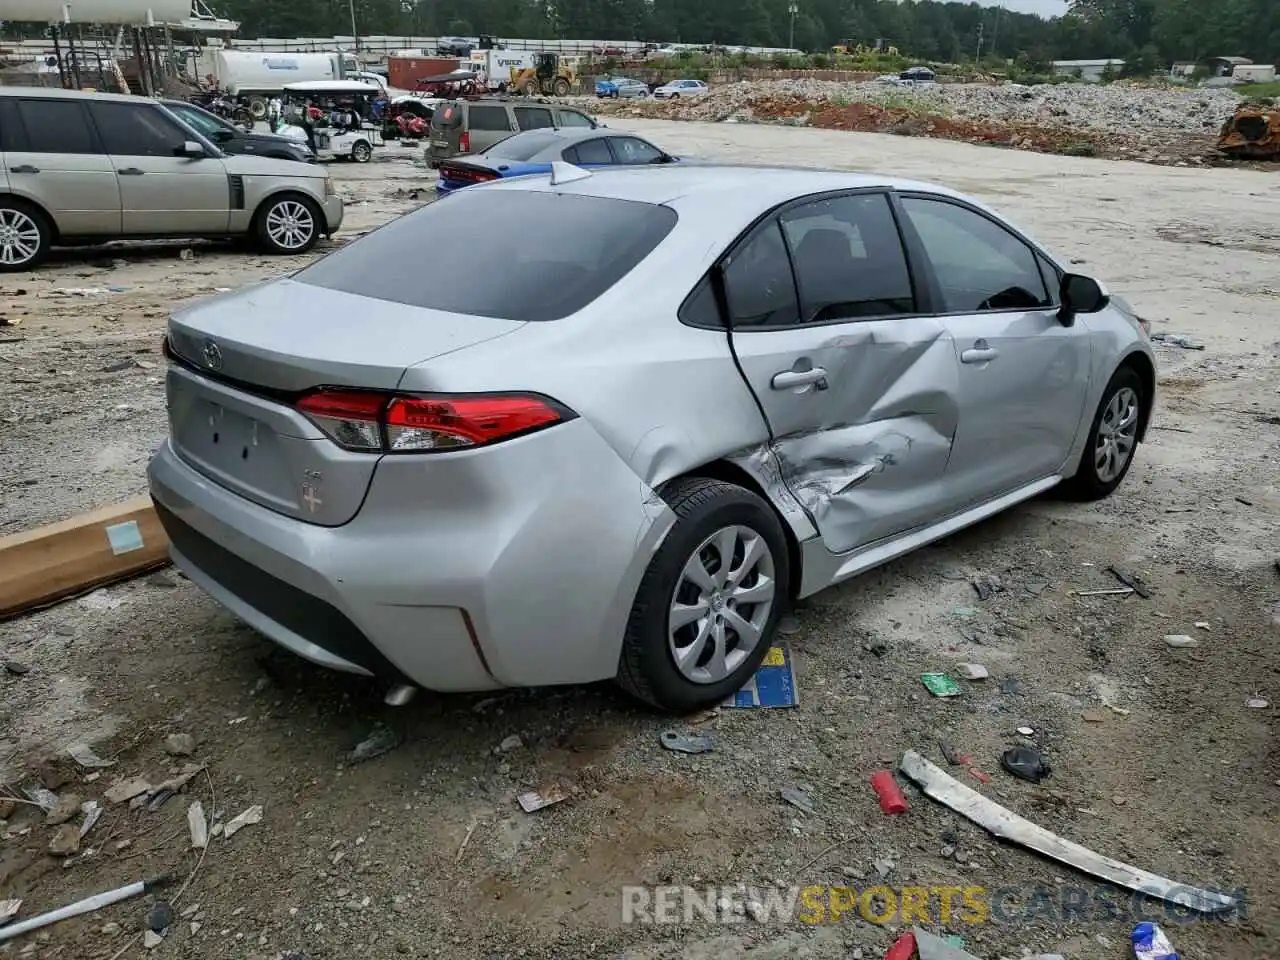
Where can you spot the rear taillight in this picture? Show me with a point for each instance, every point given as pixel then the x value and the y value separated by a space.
pixel 466 174
pixel 165 351
pixel 464 142
pixel 384 423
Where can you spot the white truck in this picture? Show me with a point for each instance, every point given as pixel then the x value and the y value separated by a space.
pixel 495 66
pixel 252 78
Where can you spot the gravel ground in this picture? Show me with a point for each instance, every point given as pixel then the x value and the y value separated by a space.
pixel 423 851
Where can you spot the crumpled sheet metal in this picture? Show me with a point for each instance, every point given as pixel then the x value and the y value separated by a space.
pixel 858 477
pixel 1252 133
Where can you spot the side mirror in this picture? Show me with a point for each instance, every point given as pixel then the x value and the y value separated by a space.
pixel 1080 294
pixel 222 134
pixel 191 150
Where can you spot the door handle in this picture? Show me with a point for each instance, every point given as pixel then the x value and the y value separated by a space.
pixel 790 379
pixel 979 353
pixel 130 172
pixel 24 168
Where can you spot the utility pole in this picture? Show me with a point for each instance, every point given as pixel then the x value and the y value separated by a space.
pixel 979 57
pixel 995 33
pixel 354 36
pixel 793 8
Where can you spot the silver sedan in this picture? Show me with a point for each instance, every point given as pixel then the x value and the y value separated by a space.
pixel 622 454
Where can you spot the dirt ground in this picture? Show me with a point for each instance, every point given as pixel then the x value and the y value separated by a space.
pixel 423 851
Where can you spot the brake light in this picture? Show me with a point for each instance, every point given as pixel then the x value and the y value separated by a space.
pixel 383 423
pixel 464 142
pixel 165 350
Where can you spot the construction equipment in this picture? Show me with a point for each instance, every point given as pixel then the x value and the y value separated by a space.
pixel 549 75
pixel 1252 133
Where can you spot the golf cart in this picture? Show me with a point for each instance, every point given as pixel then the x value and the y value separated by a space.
pixel 339 116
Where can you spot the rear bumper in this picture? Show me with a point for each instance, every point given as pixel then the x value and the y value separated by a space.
pixel 521 575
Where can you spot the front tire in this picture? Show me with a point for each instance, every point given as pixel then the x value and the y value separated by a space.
pixel 25 235
pixel 361 151
pixel 708 606
pixel 1113 438
pixel 289 224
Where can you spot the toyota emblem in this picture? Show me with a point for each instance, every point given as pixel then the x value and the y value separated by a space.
pixel 212 355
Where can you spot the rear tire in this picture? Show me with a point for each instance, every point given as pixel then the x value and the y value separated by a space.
pixel 289 224
pixel 25 235
pixel 712 518
pixel 561 87
pixel 531 88
pixel 361 151
pixel 1113 439
pixel 258 108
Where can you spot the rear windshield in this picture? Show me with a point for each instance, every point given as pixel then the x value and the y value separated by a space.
pixel 520 147
pixel 598 241
pixel 447 115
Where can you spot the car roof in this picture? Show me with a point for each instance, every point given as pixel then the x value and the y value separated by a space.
pixel 57 93
pixel 760 187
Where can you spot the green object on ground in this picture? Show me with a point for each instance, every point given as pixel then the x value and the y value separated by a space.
pixel 940 685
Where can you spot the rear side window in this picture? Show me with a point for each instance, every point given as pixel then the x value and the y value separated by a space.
pixel 531 118
pixel 56 126
pixel 758 282
pixel 598 242
pixel 590 151
pixel 11 137
pixel 136 131
pixel 572 118
pixel 488 118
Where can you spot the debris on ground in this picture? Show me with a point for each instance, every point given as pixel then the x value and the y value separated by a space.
pixel 1131 580
pixel 1006 825
pixel 543 796
pixel 80 907
pixel 1257 703
pixel 932 947
pixel 382 740
pixel 151 939
pixel 973 671
pixel 249 817
pixel 65 841
pixel 180 745
pixel 1150 943
pixel 8 910
pixel 1180 640
pixel 197 825
pixel 510 743
pixel 904 948
pixel 892 800
pixel 67 806
pixel 92 811
pixel 17 667
pixel 797 798
pixel 160 917
pixel 940 685
pixel 686 743
pixel 773 686
pixel 987 587
pixel 1178 340
pixel 1025 764
pixel 82 754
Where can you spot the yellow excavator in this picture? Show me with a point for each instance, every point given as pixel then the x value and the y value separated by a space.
pixel 549 76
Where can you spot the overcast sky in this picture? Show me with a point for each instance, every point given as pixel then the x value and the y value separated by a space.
pixel 1046 8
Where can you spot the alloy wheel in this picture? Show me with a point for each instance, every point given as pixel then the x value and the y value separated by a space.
pixel 1117 434
pixel 19 237
pixel 290 225
pixel 721 604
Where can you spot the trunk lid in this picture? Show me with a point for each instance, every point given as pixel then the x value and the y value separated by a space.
pixel 243 360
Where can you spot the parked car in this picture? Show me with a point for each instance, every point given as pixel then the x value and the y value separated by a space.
pixel 621 87
pixel 454 47
pixel 616 442
pixel 476 123
pixel 81 168
pixel 681 88
pixel 535 151
pixel 232 139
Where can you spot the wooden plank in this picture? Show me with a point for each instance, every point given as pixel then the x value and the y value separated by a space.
pixel 40 566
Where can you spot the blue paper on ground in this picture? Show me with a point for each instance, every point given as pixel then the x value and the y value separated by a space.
pixel 774 684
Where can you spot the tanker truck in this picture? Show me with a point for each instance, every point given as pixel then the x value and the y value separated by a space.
pixel 253 77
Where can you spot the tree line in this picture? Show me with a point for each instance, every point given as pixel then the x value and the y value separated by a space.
pixel 1151 33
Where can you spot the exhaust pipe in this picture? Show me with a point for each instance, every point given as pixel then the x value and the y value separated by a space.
pixel 400 694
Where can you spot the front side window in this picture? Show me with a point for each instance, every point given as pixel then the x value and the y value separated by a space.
pixel 136 131
pixel 633 151
pixel 488 118
pixel 979 264
pixel 56 126
pixel 533 118
pixel 201 121
pixel 758 282
pixel 849 259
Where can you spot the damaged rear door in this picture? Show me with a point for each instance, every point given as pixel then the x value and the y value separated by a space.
pixel 860 392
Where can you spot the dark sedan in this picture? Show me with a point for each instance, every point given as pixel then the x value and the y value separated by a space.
pixel 232 139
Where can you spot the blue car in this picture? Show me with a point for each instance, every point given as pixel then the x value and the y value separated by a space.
pixel 616 87
pixel 534 151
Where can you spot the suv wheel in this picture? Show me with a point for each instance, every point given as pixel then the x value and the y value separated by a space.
pixel 709 603
pixel 289 224
pixel 24 235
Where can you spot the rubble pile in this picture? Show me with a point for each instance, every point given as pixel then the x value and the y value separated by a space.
pixel 1119 119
